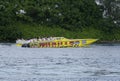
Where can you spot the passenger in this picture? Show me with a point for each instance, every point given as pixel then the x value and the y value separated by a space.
pixel 40 39
pixel 43 39
pixel 51 38
pixel 48 39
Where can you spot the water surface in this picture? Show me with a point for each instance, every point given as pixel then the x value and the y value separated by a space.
pixel 100 62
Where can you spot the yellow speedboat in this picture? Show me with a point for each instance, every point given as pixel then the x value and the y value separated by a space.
pixel 58 42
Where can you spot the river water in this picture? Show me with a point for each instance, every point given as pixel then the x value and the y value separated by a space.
pixel 99 62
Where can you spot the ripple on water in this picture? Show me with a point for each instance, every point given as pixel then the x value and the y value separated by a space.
pixel 80 64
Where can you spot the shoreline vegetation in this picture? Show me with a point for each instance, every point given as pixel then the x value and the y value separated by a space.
pixel 112 41
pixel 81 19
pixel 28 31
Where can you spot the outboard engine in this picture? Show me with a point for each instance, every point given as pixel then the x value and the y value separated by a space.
pixel 26 45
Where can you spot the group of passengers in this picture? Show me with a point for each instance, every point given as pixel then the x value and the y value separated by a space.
pixel 35 40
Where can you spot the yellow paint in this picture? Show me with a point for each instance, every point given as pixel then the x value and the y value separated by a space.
pixel 65 43
pixel 18 44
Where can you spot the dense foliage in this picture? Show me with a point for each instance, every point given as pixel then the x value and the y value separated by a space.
pixel 71 15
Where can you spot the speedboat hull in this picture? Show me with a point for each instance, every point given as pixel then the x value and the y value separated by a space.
pixel 58 42
pixel 63 43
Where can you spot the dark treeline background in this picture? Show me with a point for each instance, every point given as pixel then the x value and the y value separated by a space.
pixel 70 18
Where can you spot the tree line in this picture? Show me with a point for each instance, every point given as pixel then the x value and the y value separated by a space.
pixel 72 15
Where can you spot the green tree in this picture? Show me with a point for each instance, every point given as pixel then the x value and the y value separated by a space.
pixel 112 10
